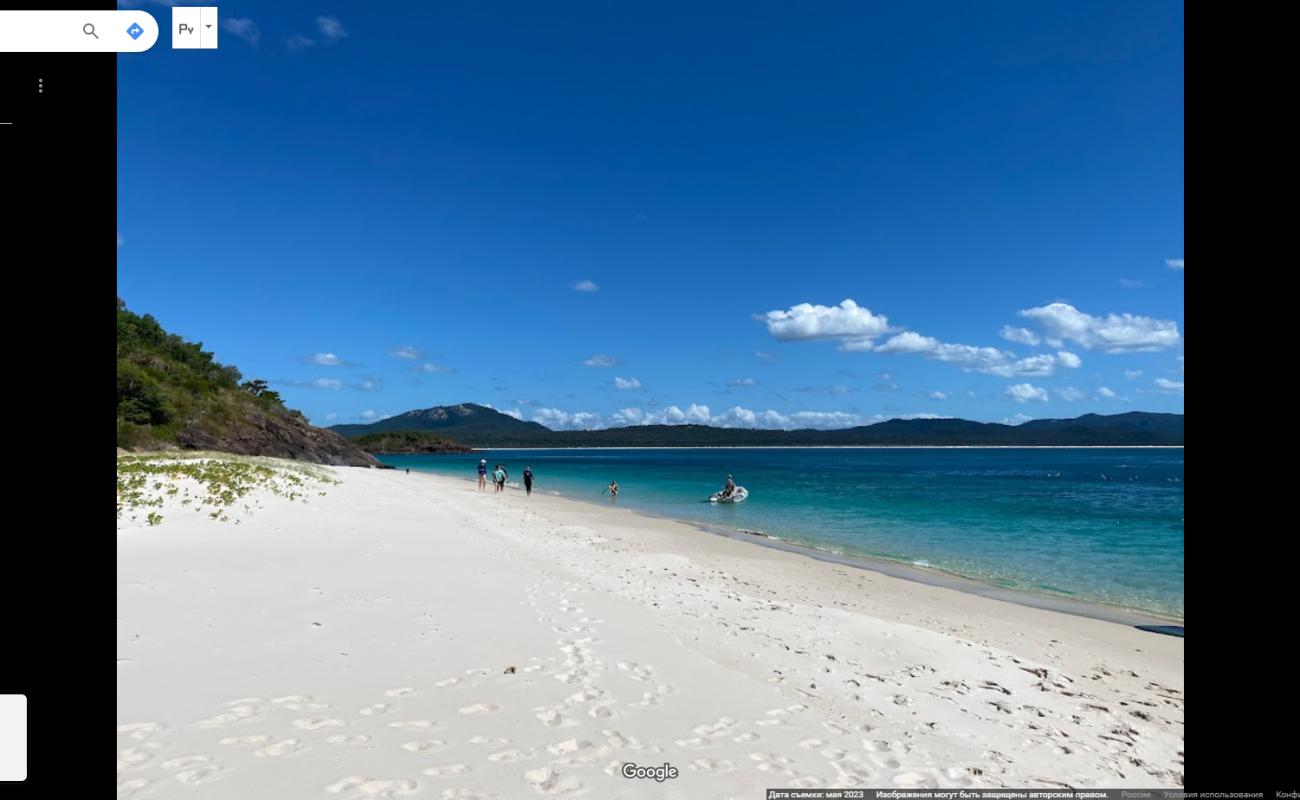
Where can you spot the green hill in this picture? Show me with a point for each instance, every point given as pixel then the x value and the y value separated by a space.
pixel 173 394
pixel 465 422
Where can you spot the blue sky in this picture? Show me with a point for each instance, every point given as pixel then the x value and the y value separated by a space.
pixel 602 213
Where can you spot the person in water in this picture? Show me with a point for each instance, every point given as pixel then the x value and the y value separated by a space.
pixel 482 475
pixel 498 479
pixel 528 480
pixel 613 489
pixel 729 489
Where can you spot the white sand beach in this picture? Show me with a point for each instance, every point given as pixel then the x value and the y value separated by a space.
pixel 361 645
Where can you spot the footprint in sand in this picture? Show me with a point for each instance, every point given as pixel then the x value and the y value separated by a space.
pixel 245 741
pixel 139 731
pixel 479 708
pixel 424 745
pixel 416 724
pixel 568 747
pixel 239 713
pixel 914 780
pixel 348 738
pixel 284 747
pixel 447 771
pixel 318 723
pixel 299 702
pixel 377 708
pixel 360 787
pixel 402 692
pixel 550 715
pixel 770 762
pixel 550 781
pixel 194 770
pixel 447 682
pixel 492 740
pixel 129 788
pixel 132 757
pixel 714 765
pixel 510 756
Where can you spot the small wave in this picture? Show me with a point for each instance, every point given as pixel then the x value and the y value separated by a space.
pixel 921 562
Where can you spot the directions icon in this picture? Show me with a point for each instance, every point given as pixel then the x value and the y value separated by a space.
pixel 135 30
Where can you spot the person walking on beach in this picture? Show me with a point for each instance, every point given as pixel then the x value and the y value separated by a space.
pixel 528 481
pixel 498 479
pixel 482 475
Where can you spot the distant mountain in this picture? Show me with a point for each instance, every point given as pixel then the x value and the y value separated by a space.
pixel 465 422
pixel 484 427
pixel 171 394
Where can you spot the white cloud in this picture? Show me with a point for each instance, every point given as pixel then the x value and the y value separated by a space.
pixel 512 412
pixel 1069 359
pixel 557 419
pixel 600 360
pixel 626 383
pixel 369 384
pixel 1114 333
pixel 742 382
pixel 1174 263
pixel 1105 392
pixel 1025 392
pixel 1070 394
pixel 299 42
pixel 1017 419
pixel 990 360
pixel 586 286
pixel 1132 374
pixel 327 383
pixel 243 27
pixel 848 321
pixel 326 360
pixel 372 416
pixel 1168 386
pixel 938 396
pixel 406 352
pixel 331 29
pixel 1019 335
pixel 430 367
pixel 767 357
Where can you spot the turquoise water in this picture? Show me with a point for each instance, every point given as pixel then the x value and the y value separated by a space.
pixel 1039 520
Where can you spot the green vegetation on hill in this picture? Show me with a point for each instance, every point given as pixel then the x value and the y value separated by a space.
pixel 408 442
pixel 173 394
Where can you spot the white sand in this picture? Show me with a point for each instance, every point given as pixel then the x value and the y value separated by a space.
pixel 356 646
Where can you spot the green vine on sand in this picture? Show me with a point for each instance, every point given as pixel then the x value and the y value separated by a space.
pixel 209 482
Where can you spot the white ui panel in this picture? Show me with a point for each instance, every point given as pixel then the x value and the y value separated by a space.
pixel 194 27
pixel 13 737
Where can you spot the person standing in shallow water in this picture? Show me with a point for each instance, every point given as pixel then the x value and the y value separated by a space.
pixel 498 479
pixel 528 480
pixel 482 475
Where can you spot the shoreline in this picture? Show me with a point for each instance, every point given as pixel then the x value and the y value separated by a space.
pixel 929 576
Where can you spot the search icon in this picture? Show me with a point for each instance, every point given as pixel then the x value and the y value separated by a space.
pixel 89 30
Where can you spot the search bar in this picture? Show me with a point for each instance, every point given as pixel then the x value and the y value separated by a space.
pixel 77 31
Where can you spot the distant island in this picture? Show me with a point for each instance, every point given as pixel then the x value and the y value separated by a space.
pixel 479 426
pixel 396 442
